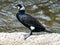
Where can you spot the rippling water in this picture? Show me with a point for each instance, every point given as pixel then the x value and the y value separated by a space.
pixel 47 12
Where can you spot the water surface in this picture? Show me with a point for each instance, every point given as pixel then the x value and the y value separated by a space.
pixel 46 11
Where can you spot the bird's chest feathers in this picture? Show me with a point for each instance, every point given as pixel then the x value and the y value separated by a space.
pixel 21 17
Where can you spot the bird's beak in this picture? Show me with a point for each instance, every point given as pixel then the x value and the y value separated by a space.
pixel 17 7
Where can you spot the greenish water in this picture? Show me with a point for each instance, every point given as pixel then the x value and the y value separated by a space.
pixel 47 12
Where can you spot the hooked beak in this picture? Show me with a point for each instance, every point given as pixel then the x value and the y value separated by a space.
pixel 17 7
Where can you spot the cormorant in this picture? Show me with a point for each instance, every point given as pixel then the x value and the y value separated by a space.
pixel 30 22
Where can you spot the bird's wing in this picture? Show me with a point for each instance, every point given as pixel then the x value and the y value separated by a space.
pixel 30 21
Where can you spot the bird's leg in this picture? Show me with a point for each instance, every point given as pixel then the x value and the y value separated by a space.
pixel 27 35
pixel 31 32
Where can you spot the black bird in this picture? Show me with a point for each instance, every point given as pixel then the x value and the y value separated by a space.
pixel 29 21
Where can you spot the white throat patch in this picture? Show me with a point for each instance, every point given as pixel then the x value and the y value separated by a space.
pixel 23 8
pixel 32 27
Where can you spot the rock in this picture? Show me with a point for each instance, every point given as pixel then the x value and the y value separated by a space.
pixel 45 39
pixel 11 38
pixel 17 38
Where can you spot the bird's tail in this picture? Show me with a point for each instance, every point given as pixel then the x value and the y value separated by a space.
pixel 48 31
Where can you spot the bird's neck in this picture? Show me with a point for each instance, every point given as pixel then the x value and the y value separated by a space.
pixel 21 11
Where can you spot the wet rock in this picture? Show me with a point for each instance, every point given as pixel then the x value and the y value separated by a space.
pixel 43 16
pixel 54 8
pixel 34 7
pixel 58 17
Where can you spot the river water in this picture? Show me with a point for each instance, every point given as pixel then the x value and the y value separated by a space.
pixel 46 11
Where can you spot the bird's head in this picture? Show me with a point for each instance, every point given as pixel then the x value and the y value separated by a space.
pixel 20 6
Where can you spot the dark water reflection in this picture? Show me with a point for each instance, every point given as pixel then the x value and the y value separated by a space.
pixel 47 12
